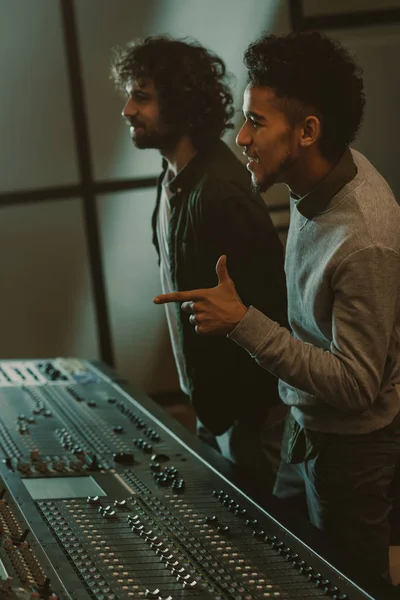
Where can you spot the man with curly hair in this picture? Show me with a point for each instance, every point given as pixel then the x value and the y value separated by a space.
pixel 179 103
pixel 339 366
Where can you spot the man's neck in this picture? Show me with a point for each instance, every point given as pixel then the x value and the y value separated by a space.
pixel 179 156
pixel 310 174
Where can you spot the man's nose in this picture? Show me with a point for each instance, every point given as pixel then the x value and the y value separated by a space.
pixel 243 138
pixel 129 109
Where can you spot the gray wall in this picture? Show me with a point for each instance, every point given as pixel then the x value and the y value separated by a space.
pixel 47 302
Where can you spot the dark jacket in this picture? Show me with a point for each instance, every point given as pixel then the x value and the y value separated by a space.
pixel 214 212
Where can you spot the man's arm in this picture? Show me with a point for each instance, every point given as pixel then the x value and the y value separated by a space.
pixel 348 377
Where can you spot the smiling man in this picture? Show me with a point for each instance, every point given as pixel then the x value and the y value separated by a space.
pixel 179 103
pixel 339 365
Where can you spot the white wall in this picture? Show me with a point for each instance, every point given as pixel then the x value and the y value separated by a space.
pixel 377 51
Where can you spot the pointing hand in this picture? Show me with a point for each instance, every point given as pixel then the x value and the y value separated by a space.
pixel 213 311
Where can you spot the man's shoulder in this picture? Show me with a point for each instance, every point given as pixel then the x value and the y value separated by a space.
pixel 373 211
pixel 223 174
pixel 369 176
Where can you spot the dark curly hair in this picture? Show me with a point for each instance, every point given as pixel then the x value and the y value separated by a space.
pixel 190 80
pixel 310 72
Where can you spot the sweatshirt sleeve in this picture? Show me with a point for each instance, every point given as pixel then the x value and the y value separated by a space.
pixel 347 376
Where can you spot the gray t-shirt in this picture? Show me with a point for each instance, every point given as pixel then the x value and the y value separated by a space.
pixel 339 367
pixel 166 280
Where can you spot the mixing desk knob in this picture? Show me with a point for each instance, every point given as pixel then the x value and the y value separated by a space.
pixel 133 519
pixel 251 522
pixel 137 529
pixel 159 458
pixel 92 463
pixel 110 514
pixel 259 535
pixel 178 485
pixel 41 466
pixel 293 557
pixel 59 465
pixel 152 593
pixel 211 520
pixel 93 500
pixel 76 465
pixel 8 462
pixel 223 529
pixel 24 468
pixel 163 481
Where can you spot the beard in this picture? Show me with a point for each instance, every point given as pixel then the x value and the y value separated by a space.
pixel 278 176
pixel 259 187
pixel 162 139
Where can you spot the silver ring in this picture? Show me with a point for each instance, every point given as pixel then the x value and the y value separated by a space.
pixel 192 319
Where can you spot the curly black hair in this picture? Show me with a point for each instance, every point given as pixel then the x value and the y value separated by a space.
pixel 310 72
pixel 190 80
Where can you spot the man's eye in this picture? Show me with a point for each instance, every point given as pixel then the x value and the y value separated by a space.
pixel 254 124
pixel 140 97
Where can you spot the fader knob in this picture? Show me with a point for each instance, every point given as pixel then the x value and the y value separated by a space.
pixel 8 462
pixel 159 457
pixel 93 500
pixel 93 463
pixel 152 593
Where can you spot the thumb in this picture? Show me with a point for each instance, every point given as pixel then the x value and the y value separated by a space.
pixel 222 271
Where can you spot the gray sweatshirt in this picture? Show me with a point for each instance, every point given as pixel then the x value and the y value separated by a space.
pixel 339 366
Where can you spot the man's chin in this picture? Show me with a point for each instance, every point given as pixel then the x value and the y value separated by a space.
pixel 146 142
pixel 142 143
pixel 259 187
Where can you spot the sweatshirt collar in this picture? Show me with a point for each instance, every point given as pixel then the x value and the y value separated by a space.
pixel 319 199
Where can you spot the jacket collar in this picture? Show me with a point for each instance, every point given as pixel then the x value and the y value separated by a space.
pixel 191 172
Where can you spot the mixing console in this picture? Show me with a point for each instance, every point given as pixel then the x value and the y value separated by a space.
pixel 101 500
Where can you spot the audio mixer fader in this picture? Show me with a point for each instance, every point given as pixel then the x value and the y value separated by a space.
pixel 100 499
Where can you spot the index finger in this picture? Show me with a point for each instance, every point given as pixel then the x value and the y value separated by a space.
pixel 190 296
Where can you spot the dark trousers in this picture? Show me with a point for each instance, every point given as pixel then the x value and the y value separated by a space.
pixel 255 447
pixel 347 491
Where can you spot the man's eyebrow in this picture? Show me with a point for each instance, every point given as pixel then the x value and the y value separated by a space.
pixel 139 90
pixel 253 115
pixel 135 89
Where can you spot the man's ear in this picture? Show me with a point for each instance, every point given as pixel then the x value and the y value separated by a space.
pixel 311 131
